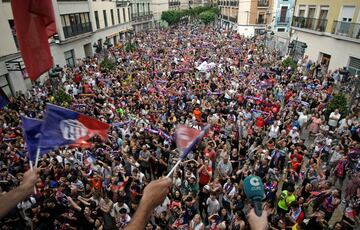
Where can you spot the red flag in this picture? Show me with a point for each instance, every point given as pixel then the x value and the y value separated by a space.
pixel 34 24
pixel 185 135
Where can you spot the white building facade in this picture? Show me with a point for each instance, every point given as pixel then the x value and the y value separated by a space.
pixel 82 26
pixel 328 34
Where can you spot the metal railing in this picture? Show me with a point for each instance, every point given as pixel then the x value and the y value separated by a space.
pixel 73 30
pixel 141 16
pixel 174 3
pixel 346 29
pixel 310 23
pixel 121 3
pixel 260 21
pixel 283 20
pixel 234 3
pixel 263 3
pixel 233 19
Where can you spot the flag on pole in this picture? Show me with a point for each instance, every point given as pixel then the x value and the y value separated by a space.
pixel 32 132
pixel 34 24
pixel 184 138
pixel 63 127
pixel 185 135
pixel 4 100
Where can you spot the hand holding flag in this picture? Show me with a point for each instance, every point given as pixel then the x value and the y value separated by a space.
pixel 186 137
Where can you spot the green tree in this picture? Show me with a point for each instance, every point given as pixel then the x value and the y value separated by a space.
pixel 129 47
pixel 62 98
pixel 107 65
pixel 289 62
pixel 171 17
pixel 338 101
pixel 207 17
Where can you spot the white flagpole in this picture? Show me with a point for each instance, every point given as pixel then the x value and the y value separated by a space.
pixel 189 149
pixel 31 168
pixel 37 157
pixel 174 167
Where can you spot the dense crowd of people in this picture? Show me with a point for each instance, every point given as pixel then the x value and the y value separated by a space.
pixel 267 120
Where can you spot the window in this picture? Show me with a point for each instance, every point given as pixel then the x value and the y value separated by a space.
pixel 118 16
pixel 75 24
pixel 129 14
pixel 13 31
pixel 347 13
pixel 112 16
pixel 311 13
pixel 281 30
pixel 283 13
pixel 97 20
pixel 124 14
pixel 4 84
pixel 302 9
pixel 105 18
pixel 354 65
pixel 69 58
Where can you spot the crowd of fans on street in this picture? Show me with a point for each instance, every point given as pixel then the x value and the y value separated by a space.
pixel 267 120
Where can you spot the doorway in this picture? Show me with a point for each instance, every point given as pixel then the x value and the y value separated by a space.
pixel 88 50
pixel 325 59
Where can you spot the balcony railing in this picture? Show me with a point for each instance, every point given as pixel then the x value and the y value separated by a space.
pixel 174 3
pixel 310 23
pixel 73 30
pixel 233 19
pixel 122 3
pixel 261 21
pixel 346 29
pixel 234 3
pixel 263 3
pixel 283 20
pixel 141 16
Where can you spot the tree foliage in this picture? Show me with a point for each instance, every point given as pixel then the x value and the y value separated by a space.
pixel 129 47
pixel 106 65
pixel 173 17
pixel 207 16
pixel 338 101
pixel 289 62
pixel 62 98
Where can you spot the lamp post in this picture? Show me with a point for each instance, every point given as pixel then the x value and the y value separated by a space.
pixel 291 47
pixel 54 75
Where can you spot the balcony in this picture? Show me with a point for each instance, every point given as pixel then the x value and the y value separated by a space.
pixel 234 3
pixel 283 20
pixel 73 30
pixel 263 3
pixel 174 3
pixel 310 23
pixel 122 3
pixel 261 21
pixel 346 29
pixel 233 19
pixel 141 16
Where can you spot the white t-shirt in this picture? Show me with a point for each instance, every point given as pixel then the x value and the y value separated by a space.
pixel 213 206
pixel 116 208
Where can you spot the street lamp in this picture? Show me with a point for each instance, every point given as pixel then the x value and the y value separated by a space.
pixel 291 47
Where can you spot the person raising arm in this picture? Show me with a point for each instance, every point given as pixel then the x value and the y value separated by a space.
pixel 154 195
pixel 10 199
